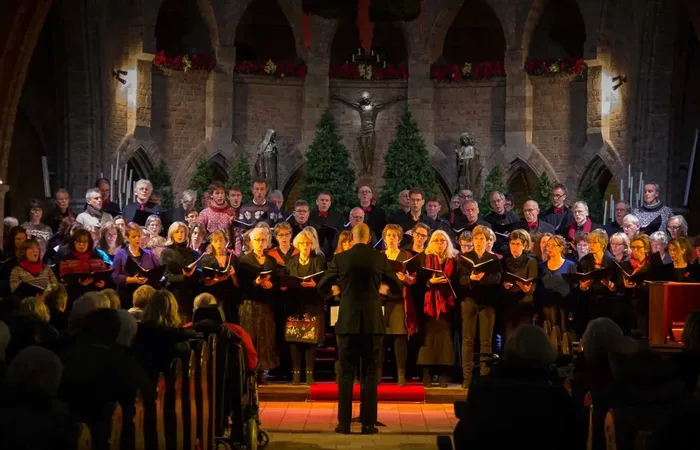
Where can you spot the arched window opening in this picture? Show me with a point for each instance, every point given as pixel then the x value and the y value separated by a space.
pixel 560 32
pixel 475 35
pixel 264 33
pixel 180 29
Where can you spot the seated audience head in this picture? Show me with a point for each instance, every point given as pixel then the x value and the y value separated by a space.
pixel 35 307
pixel 111 294
pixel 203 300
pixel 529 343
pixel 9 222
pixel 127 328
pixel 86 303
pixel 465 242
pixel 101 326
pixel 344 241
pixel 162 310
pixel 440 245
pixel 361 234
pixel 691 332
pixel 600 336
pixel 36 369
pixel 142 295
pixel 207 308
pixel 677 226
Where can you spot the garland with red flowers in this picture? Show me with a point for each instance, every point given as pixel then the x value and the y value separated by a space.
pixel 555 67
pixel 279 69
pixel 360 71
pixel 483 70
pixel 185 63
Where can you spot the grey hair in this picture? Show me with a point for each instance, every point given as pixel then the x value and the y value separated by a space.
pixel 501 195
pixel 276 193
pixel 86 303
pixel 128 328
pixel 37 369
pixel 681 223
pixel 92 191
pixel 600 336
pixel 659 236
pixel 310 234
pixel 188 194
pixel 4 339
pixel 631 218
pixel 142 182
pixel 258 231
pixel 582 204
pixel 204 299
pixel 530 343
pixel 10 222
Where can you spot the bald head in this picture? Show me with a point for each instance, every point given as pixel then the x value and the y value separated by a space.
pixel 531 210
pixel 357 215
pixel 360 233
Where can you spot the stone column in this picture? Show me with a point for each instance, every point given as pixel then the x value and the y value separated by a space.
pixel 220 98
pixel 421 89
pixel 4 188
pixel 518 103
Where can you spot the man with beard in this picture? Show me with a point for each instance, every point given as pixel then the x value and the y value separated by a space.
pixel 218 215
pixel 260 210
pixel 559 215
pixel 653 216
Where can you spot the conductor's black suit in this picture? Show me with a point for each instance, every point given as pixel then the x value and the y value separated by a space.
pixel 360 326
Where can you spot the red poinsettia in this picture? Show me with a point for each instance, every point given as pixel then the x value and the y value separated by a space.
pixel 552 67
pixel 184 62
pixel 279 69
pixel 483 70
pixel 353 71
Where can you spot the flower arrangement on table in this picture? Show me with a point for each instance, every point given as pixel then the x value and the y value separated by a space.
pixel 555 67
pixel 483 70
pixel 365 71
pixel 185 63
pixel 279 69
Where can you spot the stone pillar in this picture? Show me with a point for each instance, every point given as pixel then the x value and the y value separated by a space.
pixel 220 98
pixel 421 89
pixel 518 103
pixel 4 188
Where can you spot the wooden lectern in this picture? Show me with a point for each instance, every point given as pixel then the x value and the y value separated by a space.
pixel 669 304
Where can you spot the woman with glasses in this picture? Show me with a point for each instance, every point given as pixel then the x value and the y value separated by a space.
pixel 257 274
pixel 82 258
pixel 553 292
pixel 597 294
pixel 480 291
pixel 284 249
pixel 154 225
pixel 399 313
pixel 620 247
pixel 440 274
pixel 127 284
pixel 180 271
pixel 219 272
pixel 111 241
pixel 681 270
pixel 34 225
pixel 519 295
pixel 636 271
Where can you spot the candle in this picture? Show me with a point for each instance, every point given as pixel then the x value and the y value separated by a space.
pixel 640 197
pixel 377 57
pixel 111 182
pixel 622 189
pixel 631 192
pixel 358 51
pixel 353 58
pixel 605 213
pixel 385 64
pixel 612 208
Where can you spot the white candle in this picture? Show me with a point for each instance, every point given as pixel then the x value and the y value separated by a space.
pixel 640 199
pixel 622 189
pixel 111 182
pixel 605 213
pixel 385 64
pixel 359 51
pixel 631 192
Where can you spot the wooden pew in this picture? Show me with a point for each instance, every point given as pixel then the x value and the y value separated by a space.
pixel 192 404
pixel 610 441
pixel 210 432
pixel 175 390
pixel 84 438
pixel 160 412
pixel 139 414
pixel 203 382
pixel 115 429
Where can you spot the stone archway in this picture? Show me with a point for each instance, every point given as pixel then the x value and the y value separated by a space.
pixel 151 10
pixel 220 167
pixel 521 181
pixel 140 163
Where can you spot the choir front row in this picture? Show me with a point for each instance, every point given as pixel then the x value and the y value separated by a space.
pixel 446 292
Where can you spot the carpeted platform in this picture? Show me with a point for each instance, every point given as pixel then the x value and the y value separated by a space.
pixel 388 392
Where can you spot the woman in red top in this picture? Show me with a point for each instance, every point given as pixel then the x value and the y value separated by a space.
pixel 81 258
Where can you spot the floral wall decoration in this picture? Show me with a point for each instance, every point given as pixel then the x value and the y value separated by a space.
pixel 365 71
pixel 185 63
pixel 483 70
pixel 279 69
pixel 555 67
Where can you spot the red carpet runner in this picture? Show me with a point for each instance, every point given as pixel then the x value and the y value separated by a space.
pixel 387 392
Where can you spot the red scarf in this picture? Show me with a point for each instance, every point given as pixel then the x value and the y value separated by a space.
pixel 84 259
pixel 438 299
pixel 218 209
pixel 33 268
pixel 636 265
pixel 586 228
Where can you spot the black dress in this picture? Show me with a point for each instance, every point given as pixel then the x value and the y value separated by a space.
pixel 306 301
pixel 517 305
pixel 598 300
pixel 177 257
pixel 394 310
pixel 226 292
pixel 638 296
pixel 256 312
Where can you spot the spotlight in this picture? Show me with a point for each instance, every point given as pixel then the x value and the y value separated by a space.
pixel 117 75
pixel 619 81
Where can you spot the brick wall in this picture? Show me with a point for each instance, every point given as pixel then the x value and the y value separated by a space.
pixel 558 119
pixel 178 112
pixel 260 103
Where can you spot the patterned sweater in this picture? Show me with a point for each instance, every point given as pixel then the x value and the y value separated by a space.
pixel 647 214
pixel 19 275
pixel 214 218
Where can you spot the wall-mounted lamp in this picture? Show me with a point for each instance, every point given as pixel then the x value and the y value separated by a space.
pixel 619 81
pixel 117 75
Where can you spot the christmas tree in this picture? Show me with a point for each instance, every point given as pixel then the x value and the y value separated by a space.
pixel 494 183
pixel 239 178
pixel 160 178
pixel 406 164
pixel 201 179
pixel 328 167
pixel 544 191
pixel 590 193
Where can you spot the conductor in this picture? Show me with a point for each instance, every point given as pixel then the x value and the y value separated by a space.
pixel 360 327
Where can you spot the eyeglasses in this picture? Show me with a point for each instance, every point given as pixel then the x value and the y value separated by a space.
pixel 670 227
pixel 637 247
pixel 423 235
pixel 558 196
pixel 302 211
pixel 260 240
pixel 439 241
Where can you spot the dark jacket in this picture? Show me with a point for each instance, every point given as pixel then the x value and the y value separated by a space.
pixel 359 272
pixel 559 220
pixel 541 227
pixel 131 208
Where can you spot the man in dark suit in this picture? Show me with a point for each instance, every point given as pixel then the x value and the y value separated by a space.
pixel 357 274
pixel 532 224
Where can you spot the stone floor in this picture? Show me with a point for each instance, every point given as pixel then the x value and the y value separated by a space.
pixel 309 425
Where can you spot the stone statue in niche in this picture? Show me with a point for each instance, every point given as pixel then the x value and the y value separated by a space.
pixel 467 162
pixel 266 163
pixel 366 141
